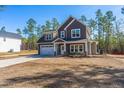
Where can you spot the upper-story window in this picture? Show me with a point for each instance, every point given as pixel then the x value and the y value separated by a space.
pixel 48 36
pixel 75 33
pixel 62 34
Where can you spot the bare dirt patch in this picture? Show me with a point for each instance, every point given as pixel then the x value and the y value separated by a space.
pixel 65 72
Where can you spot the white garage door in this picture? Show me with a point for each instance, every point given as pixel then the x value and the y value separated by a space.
pixel 47 50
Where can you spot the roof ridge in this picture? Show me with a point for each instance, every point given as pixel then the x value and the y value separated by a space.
pixel 10 35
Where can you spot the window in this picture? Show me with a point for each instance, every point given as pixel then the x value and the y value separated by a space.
pixel 75 33
pixel 48 36
pixel 77 48
pixel 62 34
pixel 72 48
pixel 80 48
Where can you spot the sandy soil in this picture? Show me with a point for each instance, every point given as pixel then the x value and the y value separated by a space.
pixel 65 72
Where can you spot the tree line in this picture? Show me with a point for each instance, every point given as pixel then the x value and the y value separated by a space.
pixel 33 31
pixel 105 28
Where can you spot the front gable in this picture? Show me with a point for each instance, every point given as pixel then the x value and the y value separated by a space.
pixel 45 36
pixel 61 28
pixel 70 24
pixel 59 40
pixel 77 25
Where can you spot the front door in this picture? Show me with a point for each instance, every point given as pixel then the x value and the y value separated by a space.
pixel 62 49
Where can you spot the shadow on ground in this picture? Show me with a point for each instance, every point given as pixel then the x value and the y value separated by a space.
pixel 74 77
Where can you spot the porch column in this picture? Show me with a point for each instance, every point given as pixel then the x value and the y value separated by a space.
pixel 86 48
pixel 54 48
pixel 90 48
pixel 64 48
pixel 96 48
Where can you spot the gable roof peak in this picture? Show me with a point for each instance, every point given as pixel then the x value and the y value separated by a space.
pixel 69 21
pixel 71 17
pixel 78 20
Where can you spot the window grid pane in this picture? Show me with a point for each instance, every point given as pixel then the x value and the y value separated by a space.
pixel 80 48
pixel 75 33
pixel 72 48
pixel 62 35
pixel 77 48
pixel 48 36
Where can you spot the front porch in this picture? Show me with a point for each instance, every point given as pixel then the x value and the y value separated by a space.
pixel 82 47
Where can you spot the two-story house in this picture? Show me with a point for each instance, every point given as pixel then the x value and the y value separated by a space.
pixel 72 37
pixel 10 42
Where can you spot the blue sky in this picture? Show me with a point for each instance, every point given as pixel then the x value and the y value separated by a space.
pixel 14 17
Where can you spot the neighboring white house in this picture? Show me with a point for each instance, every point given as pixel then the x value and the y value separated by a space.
pixel 10 42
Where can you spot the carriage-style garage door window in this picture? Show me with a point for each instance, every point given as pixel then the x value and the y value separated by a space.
pixel 75 33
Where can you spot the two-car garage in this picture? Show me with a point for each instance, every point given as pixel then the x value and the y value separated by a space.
pixel 46 50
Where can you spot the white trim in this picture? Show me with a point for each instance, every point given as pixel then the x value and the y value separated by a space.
pixel 86 48
pixel 69 24
pixel 75 30
pixel 54 47
pixel 57 39
pixel 71 48
pixel 88 30
pixel 78 50
pixel 93 41
pixel 46 45
pixel 74 19
pixel 79 41
pixel 79 21
pixel 46 50
pixel 62 49
pixel 62 33
pixel 89 50
pixel 59 42
pixel 47 36
pixel 63 23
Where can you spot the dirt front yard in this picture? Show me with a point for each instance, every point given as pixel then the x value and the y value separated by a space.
pixel 65 72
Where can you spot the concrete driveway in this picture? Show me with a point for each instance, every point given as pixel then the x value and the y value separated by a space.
pixel 13 61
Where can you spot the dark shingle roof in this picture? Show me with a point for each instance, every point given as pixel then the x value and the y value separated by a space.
pixel 66 22
pixel 10 35
pixel 62 28
pixel 41 40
